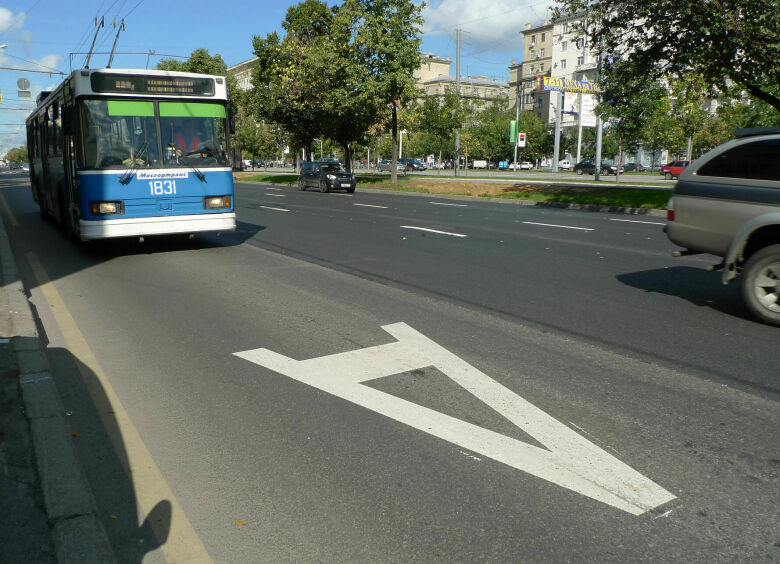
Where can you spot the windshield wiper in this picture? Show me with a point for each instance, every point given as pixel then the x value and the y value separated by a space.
pixel 185 160
pixel 131 170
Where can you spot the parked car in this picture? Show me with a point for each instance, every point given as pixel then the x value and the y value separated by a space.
pixel 25 167
pixel 413 164
pixel 326 176
pixel 727 203
pixel 257 163
pixel 564 164
pixel 525 165
pixel 589 166
pixel 634 167
pixel 387 165
pixel 673 169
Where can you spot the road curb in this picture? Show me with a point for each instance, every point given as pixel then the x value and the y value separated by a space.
pixel 77 534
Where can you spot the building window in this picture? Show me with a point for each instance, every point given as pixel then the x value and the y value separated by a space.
pixel 542 51
pixel 533 39
pixel 580 43
pixel 565 28
pixel 563 63
pixel 564 45
pixel 533 52
pixel 580 60
pixel 476 92
pixel 541 67
pixel 544 35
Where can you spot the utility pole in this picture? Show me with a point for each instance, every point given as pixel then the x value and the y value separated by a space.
pixel 598 118
pixel 557 147
pixel 517 119
pixel 457 90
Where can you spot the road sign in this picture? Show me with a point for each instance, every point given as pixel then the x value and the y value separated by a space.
pixel 567 458
pixel 23 84
pixel 23 93
pixel 521 140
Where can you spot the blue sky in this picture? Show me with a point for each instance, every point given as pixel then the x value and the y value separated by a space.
pixel 41 34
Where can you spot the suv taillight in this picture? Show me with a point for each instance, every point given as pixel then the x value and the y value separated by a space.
pixel 670 210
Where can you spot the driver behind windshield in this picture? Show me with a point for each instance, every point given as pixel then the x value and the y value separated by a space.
pixel 188 139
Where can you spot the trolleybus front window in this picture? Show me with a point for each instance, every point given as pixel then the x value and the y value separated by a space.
pixel 119 134
pixel 193 134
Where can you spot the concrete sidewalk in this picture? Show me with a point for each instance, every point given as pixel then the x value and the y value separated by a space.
pixel 47 513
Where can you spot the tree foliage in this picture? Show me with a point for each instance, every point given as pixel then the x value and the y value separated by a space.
pixel 720 40
pixel 17 155
pixel 200 61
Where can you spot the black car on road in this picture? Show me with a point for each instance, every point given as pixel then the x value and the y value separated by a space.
pixel 588 166
pixel 325 176
pixel 412 164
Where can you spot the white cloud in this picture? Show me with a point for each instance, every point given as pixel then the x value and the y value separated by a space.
pixel 488 25
pixel 9 21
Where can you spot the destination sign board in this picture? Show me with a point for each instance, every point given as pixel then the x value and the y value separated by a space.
pixel 134 84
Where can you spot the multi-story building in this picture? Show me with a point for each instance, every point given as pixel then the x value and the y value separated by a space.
pixel 433 78
pixel 537 63
pixel 243 73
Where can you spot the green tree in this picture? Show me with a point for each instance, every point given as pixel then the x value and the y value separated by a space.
pixel 387 46
pixel 200 61
pixel 629 106
pixel 492 131
pixel 441 116
pixel 18 155
pixel 721 41
pixel 538 140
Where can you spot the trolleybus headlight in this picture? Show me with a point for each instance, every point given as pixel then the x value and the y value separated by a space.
pixel 216 202
pixel 106 208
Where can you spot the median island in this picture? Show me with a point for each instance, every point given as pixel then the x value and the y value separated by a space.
pixel 605 194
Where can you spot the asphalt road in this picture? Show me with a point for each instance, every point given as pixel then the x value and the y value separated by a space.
pixel 556 329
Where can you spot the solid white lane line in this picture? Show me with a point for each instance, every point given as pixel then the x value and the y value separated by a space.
pixel 453 205
pixel 275 209
pixel 561 226
pixel 433 231
pixel 370 206
pixel 635 221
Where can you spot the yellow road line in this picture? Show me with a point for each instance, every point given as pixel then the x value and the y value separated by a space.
pixel 182 544
pixel 11 217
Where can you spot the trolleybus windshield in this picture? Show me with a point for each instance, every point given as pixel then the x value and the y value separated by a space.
pixel 120 134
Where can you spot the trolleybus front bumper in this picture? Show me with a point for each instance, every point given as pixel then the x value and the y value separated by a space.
pixel 168 225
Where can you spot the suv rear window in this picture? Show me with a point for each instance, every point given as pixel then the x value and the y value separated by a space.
pixel 756 161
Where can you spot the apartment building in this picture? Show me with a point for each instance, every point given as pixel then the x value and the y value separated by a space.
pixel 433 78
pixel 243 72
pixel 537 63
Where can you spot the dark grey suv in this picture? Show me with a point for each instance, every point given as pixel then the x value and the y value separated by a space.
pixel 727 203
pixel 325 176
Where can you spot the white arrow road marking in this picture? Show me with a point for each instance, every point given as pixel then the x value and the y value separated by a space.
pixel 571 461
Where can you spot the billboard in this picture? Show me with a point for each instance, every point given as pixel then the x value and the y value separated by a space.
pixel 558 83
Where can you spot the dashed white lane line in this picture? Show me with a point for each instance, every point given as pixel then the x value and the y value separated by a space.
pixel 453 205
pixel 370 206
pixel 561 226
pixel 433 231
pixel 636 221
pixel 275 209
pixel 271 188
pixel 277 195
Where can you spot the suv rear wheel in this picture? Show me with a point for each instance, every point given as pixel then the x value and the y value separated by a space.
pixel 761 284
pixel 323 186
pixel 301 184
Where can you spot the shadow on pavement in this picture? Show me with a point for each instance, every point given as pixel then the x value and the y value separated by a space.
pixel 696 285
pixel 100 448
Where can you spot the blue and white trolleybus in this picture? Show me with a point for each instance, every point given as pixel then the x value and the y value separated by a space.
pixel 120 152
